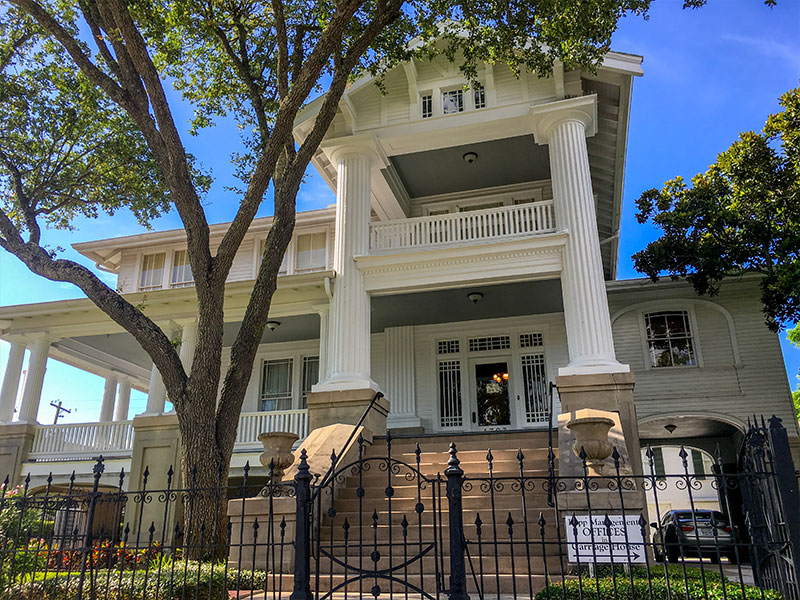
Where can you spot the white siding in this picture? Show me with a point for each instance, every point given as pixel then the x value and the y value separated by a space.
pixel 127 277
pixel 509 88
pixel 717 385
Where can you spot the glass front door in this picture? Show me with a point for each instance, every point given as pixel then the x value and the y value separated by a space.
pixel 491 395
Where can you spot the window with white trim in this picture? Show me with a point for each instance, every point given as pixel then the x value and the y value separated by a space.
pixel 427 105
pixel 534 379
pixel 276 384
pixel 453 101
pixel 152 272
pixel 310 252
pixel 181 270
pixel 310 377
pixel 669 339
pixel 479 96
pixel 284 264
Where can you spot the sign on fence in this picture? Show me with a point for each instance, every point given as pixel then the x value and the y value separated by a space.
pixel 587 544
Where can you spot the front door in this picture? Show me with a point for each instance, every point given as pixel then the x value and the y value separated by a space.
pixel 492 409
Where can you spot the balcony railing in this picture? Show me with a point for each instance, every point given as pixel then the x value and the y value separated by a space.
pixel 82 440
pixel 75 441
pixel 533 218
pixel 252 424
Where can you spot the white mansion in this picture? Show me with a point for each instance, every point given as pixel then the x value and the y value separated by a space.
pixel 471 258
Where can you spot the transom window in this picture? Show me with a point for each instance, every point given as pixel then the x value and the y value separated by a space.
pixel 152 271
pixel 669 339
pixel 181 270
pixel 276 385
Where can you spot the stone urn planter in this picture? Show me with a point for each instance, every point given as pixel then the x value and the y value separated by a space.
pixel 591 434
pixel 278 451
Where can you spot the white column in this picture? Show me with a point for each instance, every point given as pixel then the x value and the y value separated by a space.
pixel 564 126
pixel 8 393
pixel 348 357
pixel 400 377
pixel 109 397
pixel 188 345
pixel 323 311
pixel 156 394
pixel 37 365
pixel 123 401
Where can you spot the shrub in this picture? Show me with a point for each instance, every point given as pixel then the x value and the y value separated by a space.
pixel 176 580
pixel 690 589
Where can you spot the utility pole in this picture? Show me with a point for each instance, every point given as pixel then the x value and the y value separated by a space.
pixel 59 409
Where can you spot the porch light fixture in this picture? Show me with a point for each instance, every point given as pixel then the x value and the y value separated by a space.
pixel 470 157
pixel 475 297
pixel 273 325
pixel 671 427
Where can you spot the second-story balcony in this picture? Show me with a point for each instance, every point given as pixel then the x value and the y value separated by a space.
pixel 517 242
pixel 490 224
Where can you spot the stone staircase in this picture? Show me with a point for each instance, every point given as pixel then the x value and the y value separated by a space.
pixel 386 516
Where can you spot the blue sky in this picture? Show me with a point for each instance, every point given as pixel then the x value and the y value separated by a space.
pixel 709 74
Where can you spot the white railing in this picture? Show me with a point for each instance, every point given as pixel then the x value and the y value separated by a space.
pixel 532 218
pixel 252 424
pixel 80 440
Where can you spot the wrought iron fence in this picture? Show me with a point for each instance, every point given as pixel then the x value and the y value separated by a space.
pixel 396 520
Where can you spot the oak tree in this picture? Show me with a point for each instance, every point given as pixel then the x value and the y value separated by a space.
pixel 88 126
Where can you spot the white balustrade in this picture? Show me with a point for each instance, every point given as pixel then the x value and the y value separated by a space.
pixel 253 424
pixel 532 218
pixel 81 440
pixel 88 440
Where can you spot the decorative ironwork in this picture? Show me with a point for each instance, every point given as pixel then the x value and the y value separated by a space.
pixel 397 518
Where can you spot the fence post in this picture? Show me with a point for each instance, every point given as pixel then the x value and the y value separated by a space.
pixel 787 484
pixel 86 551
pixel 302 536
pixel 458 571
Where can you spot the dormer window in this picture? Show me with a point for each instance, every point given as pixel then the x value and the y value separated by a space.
pixel 427 106
pixel 152 274
pixel 181 270
pixel 453 101
pixel 479 96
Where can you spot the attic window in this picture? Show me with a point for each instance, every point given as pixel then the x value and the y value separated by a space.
pixel 427 106
pixel 479 96
pixel 453 101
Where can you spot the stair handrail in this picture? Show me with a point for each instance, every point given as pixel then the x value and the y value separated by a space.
pixel 551 474
pixel 337 455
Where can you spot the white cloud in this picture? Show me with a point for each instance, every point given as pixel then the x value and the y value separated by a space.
pixel 788 53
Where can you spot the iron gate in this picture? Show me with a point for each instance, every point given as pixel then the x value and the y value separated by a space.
pixel 371 539
pixel 770 501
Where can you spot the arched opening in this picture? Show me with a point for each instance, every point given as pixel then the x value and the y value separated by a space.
pixel 685 456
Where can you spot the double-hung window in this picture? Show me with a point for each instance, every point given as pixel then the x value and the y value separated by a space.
pixel 152 272
pixel 276 384
pixel 310 252
pixel 181 270
pixel 669 339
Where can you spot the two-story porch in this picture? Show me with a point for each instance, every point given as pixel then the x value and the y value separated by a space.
pixel 463 266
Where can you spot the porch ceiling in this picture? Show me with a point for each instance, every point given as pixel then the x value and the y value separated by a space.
pixel 452 305
pixel 500 162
